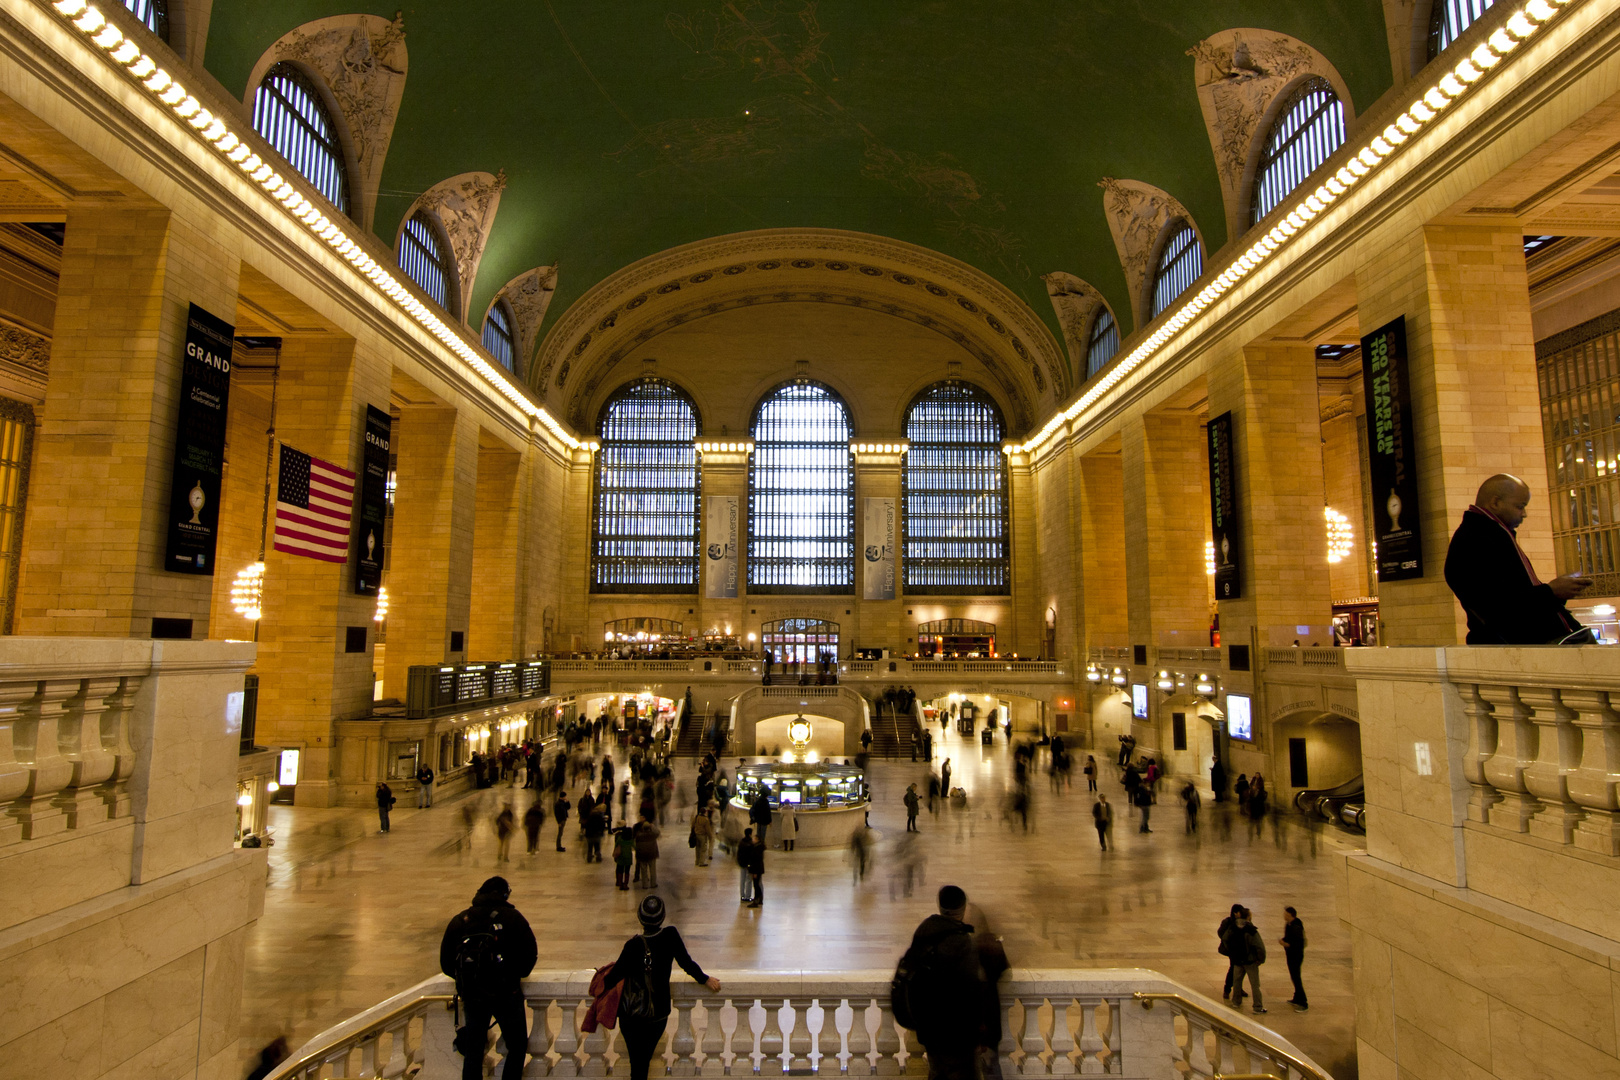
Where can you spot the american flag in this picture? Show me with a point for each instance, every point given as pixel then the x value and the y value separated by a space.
pixel 314 501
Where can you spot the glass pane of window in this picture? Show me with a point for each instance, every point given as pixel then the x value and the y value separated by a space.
pixel 646 522
pixel 1309 128
pixel 1449 18
pixel 1104 342
pixel 16 441
pixel 423 257
pixel 1179 266
pixel 288 112
pixel 954 526
pixel 154 13
pixel 498 334
pixel 801 494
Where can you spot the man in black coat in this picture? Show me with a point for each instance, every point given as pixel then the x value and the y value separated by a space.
pixel 1506 603
pixel 488 949
pixel 960 1012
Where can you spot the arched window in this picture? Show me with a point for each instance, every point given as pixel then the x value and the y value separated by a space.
pixel 154 13
pixel 288 112
pixel 1449 18
pixel 1104 341
pixel 954 522
pixel 646 523
pixel 425 258
pixel 1180 263
pixel 498 334
pixel 1309 127
pixel 801 494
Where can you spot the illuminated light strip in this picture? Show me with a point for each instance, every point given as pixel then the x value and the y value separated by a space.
pixel 89 21
pixel 1519 27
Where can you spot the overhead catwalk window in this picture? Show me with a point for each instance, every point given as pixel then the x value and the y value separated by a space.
pixel 498 334
pixel 802 641
pixel 154 13
pixel 954 519
pixel 1309 128
pixel 425 258
pixel 1104 341
pixel 645 534
pixel 1449 18
pixel 289 113
pixel 801 494
pixel 1180 263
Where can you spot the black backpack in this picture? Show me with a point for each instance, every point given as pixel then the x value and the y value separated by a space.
pixel 479 960
pixel 918 979
pixel 636 993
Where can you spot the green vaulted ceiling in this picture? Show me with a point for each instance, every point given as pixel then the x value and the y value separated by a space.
pixel 978 129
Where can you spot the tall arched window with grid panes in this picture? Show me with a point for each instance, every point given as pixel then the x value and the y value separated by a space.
pixel 424 255
pixel 644 535
pixel 1308 129
pixel 289 113
pixel 1181 260
pixel 953 522
pixel 1103 341
pixel 498 336
pixel 1449 18
pixel 154 13
pixel 801 493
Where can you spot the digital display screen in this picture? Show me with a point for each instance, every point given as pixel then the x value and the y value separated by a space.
pixel 1239 719
pixel 1139 701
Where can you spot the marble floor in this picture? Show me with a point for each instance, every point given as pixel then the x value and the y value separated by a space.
pixel 353 916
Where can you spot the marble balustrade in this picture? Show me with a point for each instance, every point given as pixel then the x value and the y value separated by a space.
pixel 1054 1024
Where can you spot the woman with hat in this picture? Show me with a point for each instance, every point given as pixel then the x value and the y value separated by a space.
pixel 643 967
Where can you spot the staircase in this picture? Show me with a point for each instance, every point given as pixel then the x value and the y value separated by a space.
pixel 689 740
pixel 891 733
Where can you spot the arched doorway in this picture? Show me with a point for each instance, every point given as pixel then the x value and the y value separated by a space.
pixel 801 640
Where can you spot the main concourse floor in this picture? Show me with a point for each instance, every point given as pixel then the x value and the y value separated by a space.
pixel 353 916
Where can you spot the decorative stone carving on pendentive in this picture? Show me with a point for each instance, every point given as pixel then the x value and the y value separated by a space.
pixel 1137 216
pixel 529 295
pixel 1408 34
pixel 465 206
pixel 1075 303
pixel 362 60
pixel 1238 74
pixel 25 351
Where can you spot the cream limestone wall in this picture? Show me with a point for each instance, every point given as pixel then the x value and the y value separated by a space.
pixel 1165 465
pixel 1341 480
pixel 492 628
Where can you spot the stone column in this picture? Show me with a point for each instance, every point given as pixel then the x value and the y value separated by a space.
pixel 1477 409
pixel 1029 620
pixel 1165 473
pixel 723 473
pixel 243 525
pixel 307 679
pixel 877 623
pixel 430 582
pixel 1100 493
pixel 492 629
pixel 99 492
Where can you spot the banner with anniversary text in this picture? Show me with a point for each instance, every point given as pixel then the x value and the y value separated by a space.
pixel 878 565
pixel 719 546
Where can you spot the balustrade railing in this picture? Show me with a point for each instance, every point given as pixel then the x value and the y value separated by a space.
pixel 1306 657
pixel 1128 1023
pixel 864 670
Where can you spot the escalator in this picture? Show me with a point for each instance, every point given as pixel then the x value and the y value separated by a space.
pixel 1344 804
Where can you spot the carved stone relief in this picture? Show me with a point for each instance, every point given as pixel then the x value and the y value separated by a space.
pixel 465 206
pixel 1238 74
pixel 1137 216
pixel 362 60
pixel 1075 302
pixel 27 351
pixel 529 295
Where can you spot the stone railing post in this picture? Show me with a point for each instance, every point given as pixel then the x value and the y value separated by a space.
pixel 798 1038
pixel 1062 1040
pixel 770 1038
pixel 1515 752
pixel 1594 784
pixel 79 738
pixel 682 1044
pixel 115 739
pixel 16 773
pixel 714 1040
pixel 860 1037
pixel 1482 736
pixel 1558 750
pixel 39 746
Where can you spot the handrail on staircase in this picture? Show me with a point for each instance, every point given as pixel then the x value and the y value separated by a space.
pixel 1187 1004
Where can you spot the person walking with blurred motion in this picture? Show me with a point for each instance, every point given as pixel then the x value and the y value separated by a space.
pixel 703 835
pixel 505 826
pixel 646 834
pixel 1102 816
pixel 1143 797
pixel 643 970
pixel 534 819
pixel 1191 799
pixel 624 853
pixel 489 949
pixel 385 803
pixel 913 804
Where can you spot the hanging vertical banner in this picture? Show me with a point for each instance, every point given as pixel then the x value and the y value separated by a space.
pixel 368 538
pixel 1224 529
pixel 879 563
pixel 1392 453
pixel 720 546
pixel 199 444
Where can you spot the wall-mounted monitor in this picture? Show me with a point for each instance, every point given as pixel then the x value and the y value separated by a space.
pixel 1239 718
pixel 1139 700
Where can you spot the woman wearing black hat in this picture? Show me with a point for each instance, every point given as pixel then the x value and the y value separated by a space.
pixel 644 967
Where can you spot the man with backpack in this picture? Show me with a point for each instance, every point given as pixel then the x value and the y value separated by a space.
pixel 1246 949
pixel 942 991
pixel 488 949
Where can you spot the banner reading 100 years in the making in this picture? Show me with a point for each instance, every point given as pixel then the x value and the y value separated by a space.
pixel 719 546
pixel 199 444
pixel 1392 453
pixel 373 516
pixel 878 565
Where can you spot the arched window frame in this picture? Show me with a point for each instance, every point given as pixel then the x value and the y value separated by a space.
pixel 424 253
pixel 1180 263
pixel 1449 19
pixel 153 13
pixel 954 536
pixel 1102 340
pixel 499 334
pixel 305 132
pixel 777 503
pixel 644 509
pixel 1308 127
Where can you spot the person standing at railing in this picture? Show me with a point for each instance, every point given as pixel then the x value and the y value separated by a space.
pixel 489 949
pixel 643 967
